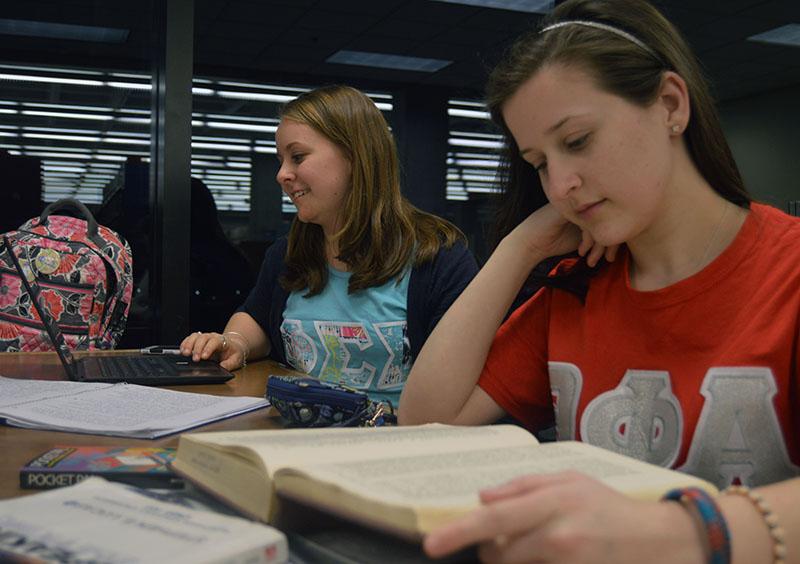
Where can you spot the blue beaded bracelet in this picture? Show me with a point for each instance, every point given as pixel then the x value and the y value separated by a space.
pixel 714 526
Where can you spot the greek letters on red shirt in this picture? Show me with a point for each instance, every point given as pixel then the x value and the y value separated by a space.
pixel 701 376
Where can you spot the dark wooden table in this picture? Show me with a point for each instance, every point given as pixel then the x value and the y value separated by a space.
pixel 18 446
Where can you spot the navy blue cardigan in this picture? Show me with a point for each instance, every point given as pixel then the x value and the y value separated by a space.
pixel 432 288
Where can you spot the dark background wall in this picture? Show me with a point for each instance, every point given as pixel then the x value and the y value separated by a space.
pixel 763 133
pixel 289 43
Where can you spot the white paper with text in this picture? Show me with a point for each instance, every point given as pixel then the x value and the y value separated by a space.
pixel 124 410
pixel 99 521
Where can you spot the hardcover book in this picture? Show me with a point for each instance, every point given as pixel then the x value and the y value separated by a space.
pixel 146 467
pixel 403 480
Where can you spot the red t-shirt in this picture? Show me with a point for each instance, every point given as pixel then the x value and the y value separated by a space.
pixel 700 376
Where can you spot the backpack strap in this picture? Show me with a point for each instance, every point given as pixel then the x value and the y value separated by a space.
pixel 32 287
pixel 91 222
pixel 112 320
pixel 112 324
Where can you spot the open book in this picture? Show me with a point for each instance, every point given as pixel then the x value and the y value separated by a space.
pixel 122 410
pixel 404 480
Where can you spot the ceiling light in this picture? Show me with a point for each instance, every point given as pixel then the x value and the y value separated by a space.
pixel 62 137
pixel 133 120
pixel 243 126
pixel 126 141
pixel 66 115
pixel 103 165
pixel 220 139
pixel 210 157
pixel 59 149
pixel 475 143
pixel 469 103
pixel 67 107
pixel 223 172
pixel 788 34
pixel 455 112
pixel 62 130
pixel 52 79
pixel 481 189
pixel 55 155
pixel 129 85
pixel 53 30
pixel 263 97
pixel 476 134
pixel 238 118
pixel 263 86
pixel 480 163
pixel 530 6
pixel 51 69
pixel 130 75
pixel 122 152
pixel 130 134
pixel 220 146
pixel 55 168
pixel 387 61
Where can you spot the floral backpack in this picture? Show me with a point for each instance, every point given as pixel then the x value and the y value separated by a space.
pixel 82 273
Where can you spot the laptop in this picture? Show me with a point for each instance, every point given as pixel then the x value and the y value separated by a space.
pixel 146 370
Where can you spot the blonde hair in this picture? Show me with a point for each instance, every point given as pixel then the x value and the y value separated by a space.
pixel 380 233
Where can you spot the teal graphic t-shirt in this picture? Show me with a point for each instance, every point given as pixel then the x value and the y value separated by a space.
pixel 356 340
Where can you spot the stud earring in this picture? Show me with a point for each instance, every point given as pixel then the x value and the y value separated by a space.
pixel 676 128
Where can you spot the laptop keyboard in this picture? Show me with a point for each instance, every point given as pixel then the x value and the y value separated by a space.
pixel 135 368
pixel 149 370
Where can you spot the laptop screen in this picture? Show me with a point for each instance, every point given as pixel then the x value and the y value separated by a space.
pixel 60 345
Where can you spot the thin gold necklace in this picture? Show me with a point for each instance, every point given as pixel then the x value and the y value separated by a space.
pixel 713 237
pixel 699 264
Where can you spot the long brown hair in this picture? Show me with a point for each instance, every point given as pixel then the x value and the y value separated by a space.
pixel 622 67
pixel 381 232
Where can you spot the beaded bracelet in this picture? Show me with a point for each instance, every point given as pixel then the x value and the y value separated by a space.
pixel 714 526
pixel 776 532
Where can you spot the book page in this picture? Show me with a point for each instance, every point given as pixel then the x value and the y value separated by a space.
pixel 238 466
pixel 277 449
pixel 438 486
pixel 98 521
pixel 118 409
pixel 454 478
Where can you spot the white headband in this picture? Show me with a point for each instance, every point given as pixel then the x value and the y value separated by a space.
pixel 606 27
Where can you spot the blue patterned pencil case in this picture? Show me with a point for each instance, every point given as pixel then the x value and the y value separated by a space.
pixel 307 402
